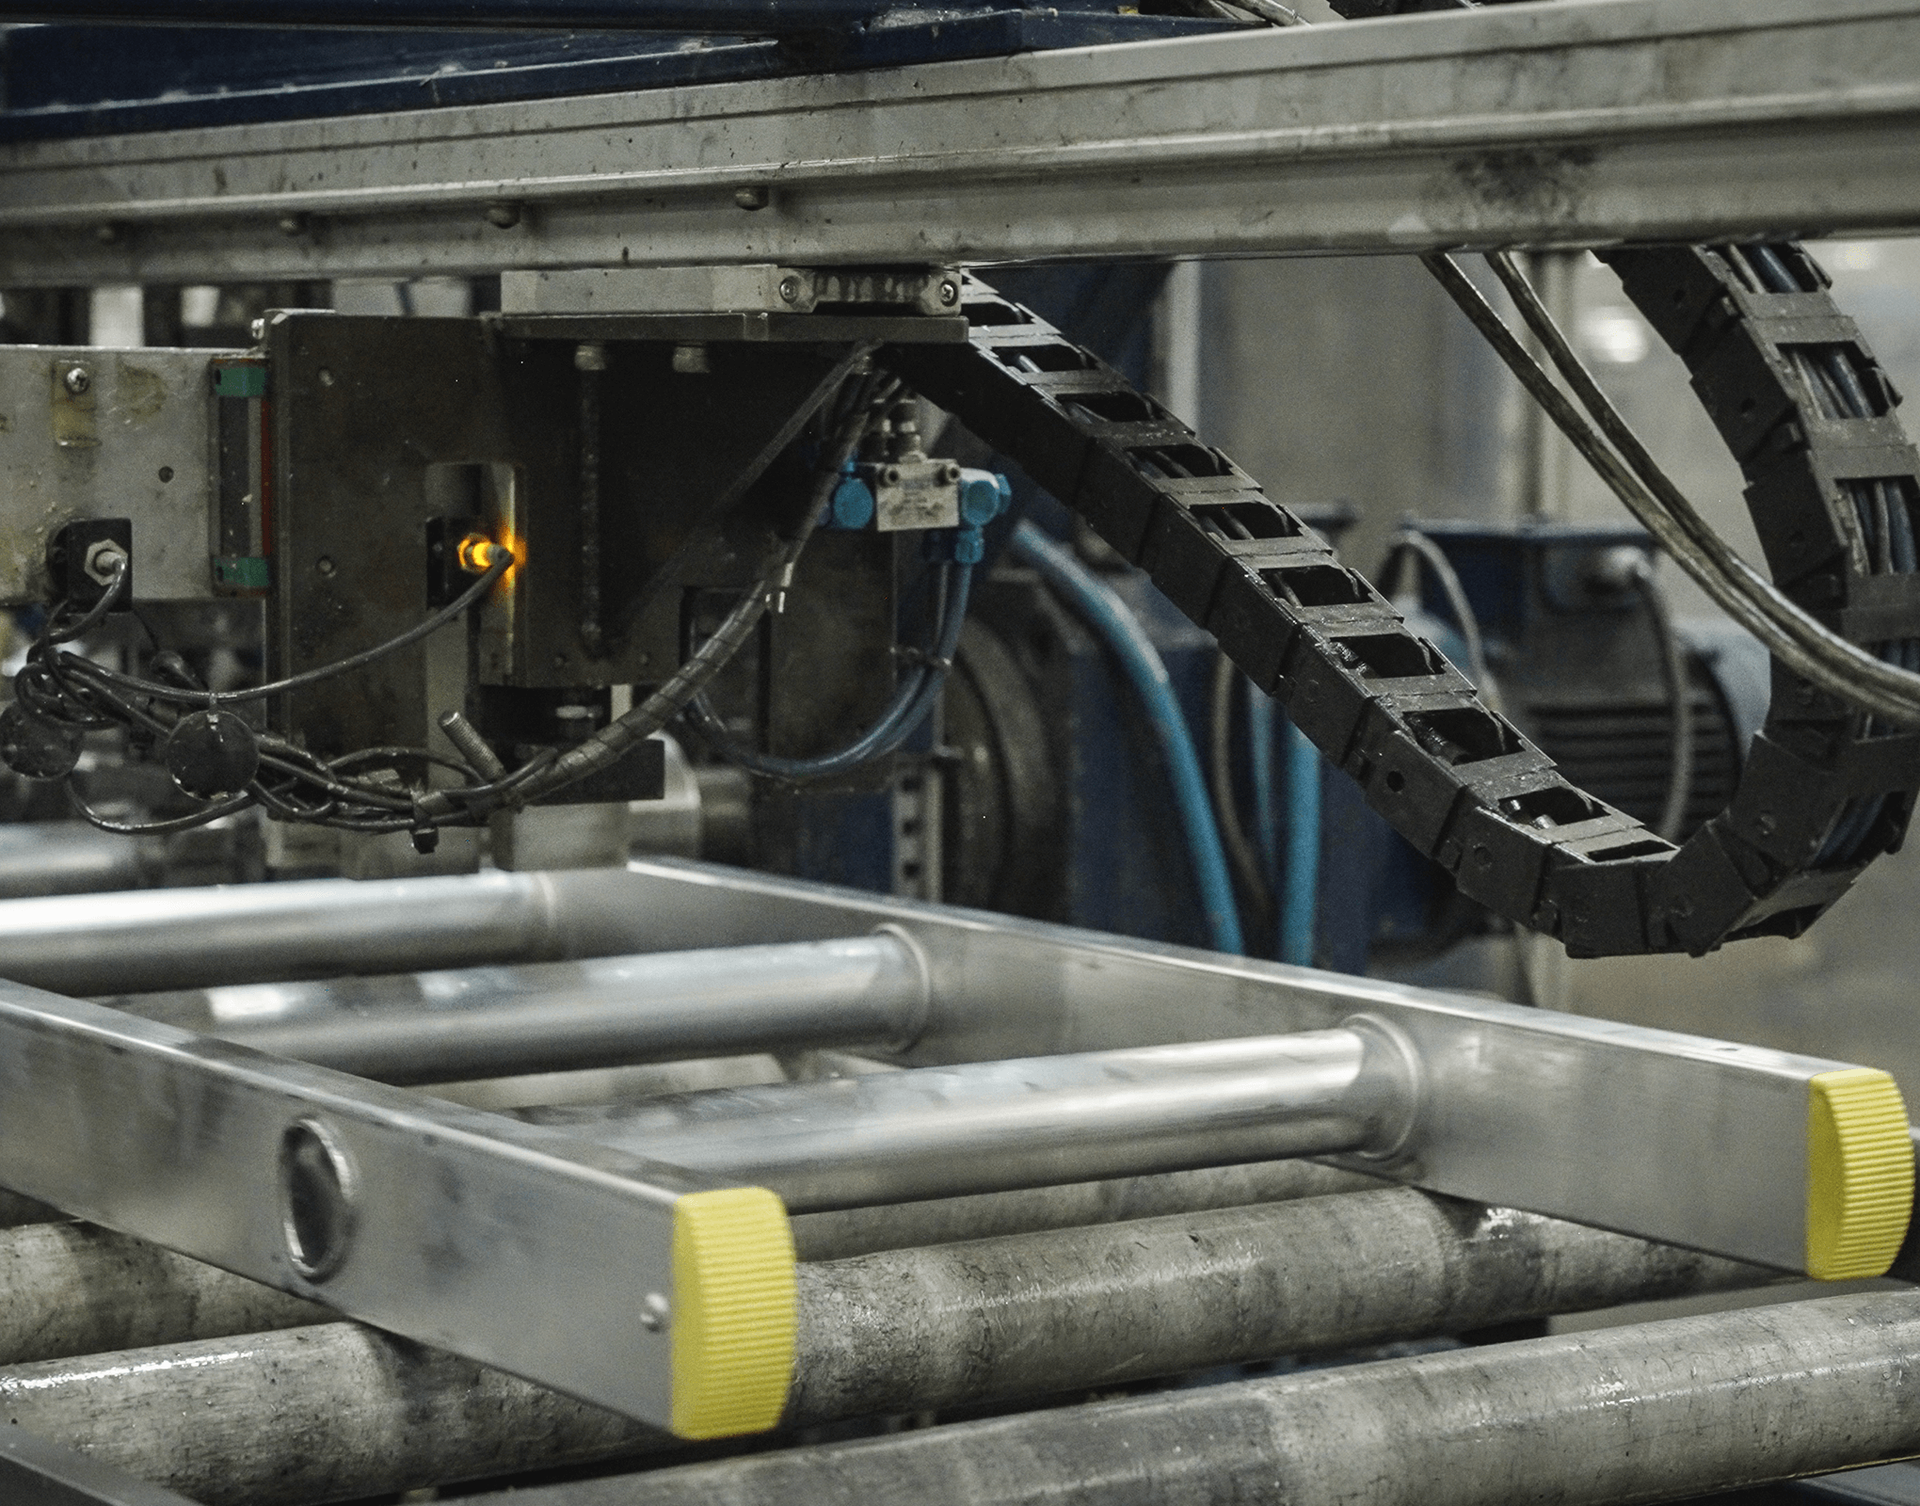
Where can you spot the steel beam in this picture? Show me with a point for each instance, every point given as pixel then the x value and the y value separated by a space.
pixel 726 17
pixel 603 1012
pixel 337 1410
pixel 1644 1413
pixel 1570 124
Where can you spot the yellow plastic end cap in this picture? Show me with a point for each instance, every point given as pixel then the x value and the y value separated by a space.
pixel 733 1314
pixel 1859 1174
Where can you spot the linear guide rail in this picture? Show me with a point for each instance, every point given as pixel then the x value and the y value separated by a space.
pixel 1825 789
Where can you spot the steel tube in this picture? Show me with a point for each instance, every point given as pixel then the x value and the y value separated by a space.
pixel 1651 1412
pixel 331 1412
pixel 70 1288
pixel 184 938
pixel 1042 1313
pixel 990 1126
pixel 338 1410
pixel 551 1017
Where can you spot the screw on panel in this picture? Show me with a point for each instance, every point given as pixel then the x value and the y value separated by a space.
pixel 758 196
pixel 503 215
pixel 77 380
pixel 790 289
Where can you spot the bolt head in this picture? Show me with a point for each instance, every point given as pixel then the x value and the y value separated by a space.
pixel 790 289
pixel 758 196
pixel 503 215
pixel 101 560
pixel 77 380
pixel 949 293
pixel 653 1312
pixel 891 475
pixel 257 330
pixel 293 224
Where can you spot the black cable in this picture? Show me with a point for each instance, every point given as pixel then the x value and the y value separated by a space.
pixel 1226 810
pixel 217 698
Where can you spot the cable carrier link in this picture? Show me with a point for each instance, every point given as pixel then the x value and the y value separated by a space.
pixel 1832 486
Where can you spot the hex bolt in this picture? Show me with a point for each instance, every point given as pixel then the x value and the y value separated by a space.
pixel 790 288
pixel 756 196
pixel 101 560
pixel 503 215
pixel 78 380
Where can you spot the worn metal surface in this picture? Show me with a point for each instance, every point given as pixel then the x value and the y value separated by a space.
pixel 1076 1308
pixel 68 1288
pixel 1643 1413
pixel 137 442
pixel 549 1017
pixel 325 1413
pixel 941 1131
pixel 1573 124
pixel 489 1237
pixel 337 1410
pixel 847 1232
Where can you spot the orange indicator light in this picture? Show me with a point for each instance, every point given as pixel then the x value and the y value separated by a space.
pixel 478 554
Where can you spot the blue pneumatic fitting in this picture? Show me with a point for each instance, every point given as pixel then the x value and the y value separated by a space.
pixel 983 497
pixel 851 505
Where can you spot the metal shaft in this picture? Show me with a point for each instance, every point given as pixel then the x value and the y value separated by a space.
pixel 337 1410
pixel 185 938
pixel 326 1413
pixel 70 1288
pixel 1651 1412
pixel 989 1126
pixel 1074 1308
pixel 550 1017
pixel 846 1232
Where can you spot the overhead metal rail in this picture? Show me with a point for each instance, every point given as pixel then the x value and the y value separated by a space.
pixel 1580 123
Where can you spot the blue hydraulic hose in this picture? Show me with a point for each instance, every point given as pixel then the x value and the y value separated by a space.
pixel 1300 896
pixel 1261 713
pixel 1096 603
pixel 912 703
